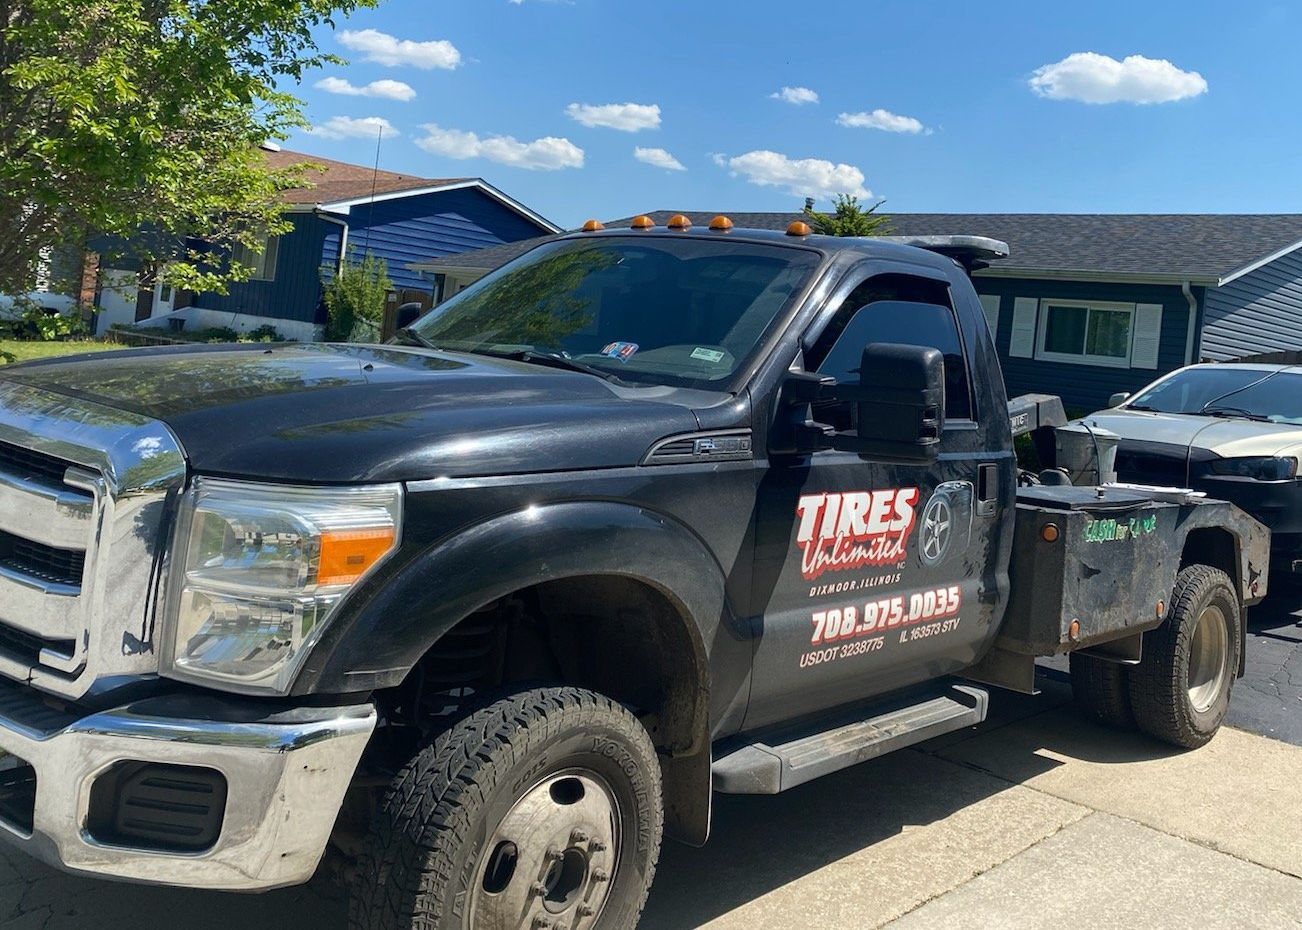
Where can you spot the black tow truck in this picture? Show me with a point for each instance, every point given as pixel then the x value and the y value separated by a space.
pixel 644 515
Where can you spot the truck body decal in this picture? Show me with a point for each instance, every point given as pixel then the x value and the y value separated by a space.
pixel 848 530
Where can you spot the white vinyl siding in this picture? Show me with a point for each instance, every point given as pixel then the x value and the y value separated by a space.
pixel 990 307
pixel 1022 342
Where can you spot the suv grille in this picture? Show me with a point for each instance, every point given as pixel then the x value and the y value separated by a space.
pixel 32 465
pixel 55 566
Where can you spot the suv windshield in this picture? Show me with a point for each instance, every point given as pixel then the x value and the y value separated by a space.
pixel 686 312
pixel 1255 393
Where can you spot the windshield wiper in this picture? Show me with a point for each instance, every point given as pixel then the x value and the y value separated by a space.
pixel 552 360
pixel 1144 407
pixel 409 337
pixel 1235 413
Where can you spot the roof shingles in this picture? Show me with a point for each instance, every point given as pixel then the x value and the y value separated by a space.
pixel 331 181
pixel 1202 246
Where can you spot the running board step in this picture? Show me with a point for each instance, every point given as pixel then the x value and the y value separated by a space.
pixel 789 758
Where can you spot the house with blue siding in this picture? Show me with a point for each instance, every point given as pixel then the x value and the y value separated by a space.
pixel 344 212
pixel 1087 305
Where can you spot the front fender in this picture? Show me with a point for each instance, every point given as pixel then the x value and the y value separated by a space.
pixel 390 623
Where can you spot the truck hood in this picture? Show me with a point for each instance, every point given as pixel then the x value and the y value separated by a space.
pixel 1227 438
pixel 314 413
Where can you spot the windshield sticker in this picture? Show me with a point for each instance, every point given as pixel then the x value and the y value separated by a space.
pixel 707 355
pixel 839 532
pixel 621 350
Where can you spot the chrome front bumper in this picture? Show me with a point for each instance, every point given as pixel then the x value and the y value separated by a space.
pixel 286 776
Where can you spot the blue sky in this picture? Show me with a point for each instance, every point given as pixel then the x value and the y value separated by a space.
pixel 982 106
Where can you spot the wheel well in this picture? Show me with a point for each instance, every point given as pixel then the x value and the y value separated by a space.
pixel 1214 546
pixel 615 635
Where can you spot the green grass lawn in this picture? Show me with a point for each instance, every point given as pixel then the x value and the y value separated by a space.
pixel 22 351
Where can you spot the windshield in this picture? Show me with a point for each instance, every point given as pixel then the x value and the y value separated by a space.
pixel 1271 395
pixel 685 312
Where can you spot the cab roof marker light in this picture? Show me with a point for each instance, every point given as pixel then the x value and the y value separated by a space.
pixel 798 228
pixel 679 221
pixel 721 223
pixel 593 226
pixel 642 222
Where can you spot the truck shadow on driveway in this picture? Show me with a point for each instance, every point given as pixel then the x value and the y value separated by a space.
pixel 759 844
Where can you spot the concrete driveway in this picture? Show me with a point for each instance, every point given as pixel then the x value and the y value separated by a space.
pixel 1032 819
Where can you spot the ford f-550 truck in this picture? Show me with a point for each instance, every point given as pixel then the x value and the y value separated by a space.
pixel 644 515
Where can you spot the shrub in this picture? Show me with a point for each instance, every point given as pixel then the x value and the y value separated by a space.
pixel 354 300
pixel 265 333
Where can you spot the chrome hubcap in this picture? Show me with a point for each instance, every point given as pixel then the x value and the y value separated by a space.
pixel 551 861
pixel 1208 658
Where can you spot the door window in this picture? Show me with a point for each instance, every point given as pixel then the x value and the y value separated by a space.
pixel 899 309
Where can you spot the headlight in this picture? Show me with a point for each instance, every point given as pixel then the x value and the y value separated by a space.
pixel 1262 468
pixel 258 570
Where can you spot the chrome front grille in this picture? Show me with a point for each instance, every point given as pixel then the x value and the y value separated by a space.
pixel 84 493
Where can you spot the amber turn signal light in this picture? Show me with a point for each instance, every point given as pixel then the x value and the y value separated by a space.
pixel 1050 532
pixel 798 228
pixel 642 222
pixel 593 226
pixel 347 555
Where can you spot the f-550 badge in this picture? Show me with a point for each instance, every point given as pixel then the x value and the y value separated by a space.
pixel 849 530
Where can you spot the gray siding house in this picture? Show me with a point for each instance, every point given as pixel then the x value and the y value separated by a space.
pixel 1087 304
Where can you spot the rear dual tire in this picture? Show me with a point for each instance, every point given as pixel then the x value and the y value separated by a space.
pixel 1180 691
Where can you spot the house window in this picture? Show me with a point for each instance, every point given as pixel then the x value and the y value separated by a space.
pixel 1086 332
pixel 263 263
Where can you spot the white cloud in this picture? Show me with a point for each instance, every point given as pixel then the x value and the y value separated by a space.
pixel 385 89
pixel 626 117
pixel 346 127
pixel 658 158
pixel 1093 78
pixel 802 177
pixel 389 50
pixel 546 154
pixel 884 120
pixel 799 96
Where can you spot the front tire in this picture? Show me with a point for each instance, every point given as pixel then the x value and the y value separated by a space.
pixel 1180 691
pixel 541 809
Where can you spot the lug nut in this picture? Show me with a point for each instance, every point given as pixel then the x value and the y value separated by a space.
pixel 538 888
pixel 586 910
pixel 600 875
pixel 553 854
pixel 578 836
pixel 597 846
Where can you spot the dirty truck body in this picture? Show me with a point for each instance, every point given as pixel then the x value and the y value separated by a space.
pixel 645 515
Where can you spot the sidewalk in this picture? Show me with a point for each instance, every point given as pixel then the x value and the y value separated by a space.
pixel 1034 819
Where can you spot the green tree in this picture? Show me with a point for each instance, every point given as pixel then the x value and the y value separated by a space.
pixel 354 300
pixel 139 122
pixel 849 218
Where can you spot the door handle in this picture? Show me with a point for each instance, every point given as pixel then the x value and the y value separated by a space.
pixel 987 489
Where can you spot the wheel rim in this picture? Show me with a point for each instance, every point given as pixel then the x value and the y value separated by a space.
pixel 1208 658
pixel 552 860
pixel 935 530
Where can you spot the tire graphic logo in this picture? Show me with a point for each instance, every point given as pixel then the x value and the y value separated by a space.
pixel 937 528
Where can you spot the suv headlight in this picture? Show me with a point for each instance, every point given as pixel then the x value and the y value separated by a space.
pixel 1262 468
pixel 257 571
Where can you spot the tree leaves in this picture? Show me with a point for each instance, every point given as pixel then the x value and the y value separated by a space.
pixel 118 116
pixel 848 218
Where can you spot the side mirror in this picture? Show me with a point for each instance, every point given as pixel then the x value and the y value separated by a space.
pixel 408 314
pixel 1119 398
pixel 899 414
pixel 896 409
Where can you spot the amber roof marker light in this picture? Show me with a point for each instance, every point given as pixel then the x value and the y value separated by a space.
pixel 679 221
pixel 721 224
pixel 798 228
pixel 642 222
pixel 593 226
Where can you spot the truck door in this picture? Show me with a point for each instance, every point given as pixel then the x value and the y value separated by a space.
pixel 870 576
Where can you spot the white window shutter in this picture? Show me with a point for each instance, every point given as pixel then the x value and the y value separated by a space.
pixel 1022 343
pixel 1147 336
pixel 990 305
